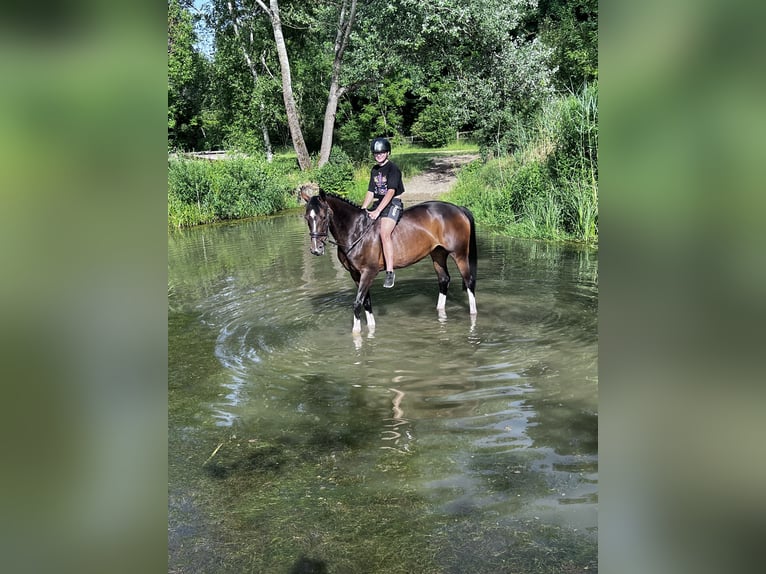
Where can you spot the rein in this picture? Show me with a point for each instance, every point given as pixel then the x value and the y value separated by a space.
pixel 345 249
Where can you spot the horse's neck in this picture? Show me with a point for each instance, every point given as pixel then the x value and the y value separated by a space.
pixel 345 217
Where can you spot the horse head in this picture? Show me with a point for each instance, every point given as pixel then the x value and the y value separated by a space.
pixel 317 217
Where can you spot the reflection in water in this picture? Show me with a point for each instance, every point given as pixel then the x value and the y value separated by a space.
pixel 400 437
pixel 484 427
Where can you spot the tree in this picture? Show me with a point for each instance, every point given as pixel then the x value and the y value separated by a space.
pixel 346 18
pixel 293 118
pixel 570 28
pixel 380 64
pixel 186 74
pixel 241 17
pixel 489 73
pixel 254 71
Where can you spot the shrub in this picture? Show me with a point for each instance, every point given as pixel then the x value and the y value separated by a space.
pixel 204 191
pixel 480 187
pixel 188 180
pixel 337 175
pixel 528 184
pixel 434 125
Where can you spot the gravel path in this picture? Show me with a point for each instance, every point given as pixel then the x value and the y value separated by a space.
pixel 436 180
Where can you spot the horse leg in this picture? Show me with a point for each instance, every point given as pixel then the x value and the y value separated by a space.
pixel 469 282
pixel 357 326
pixel 363 301
pixel 439 256
pixel 367 304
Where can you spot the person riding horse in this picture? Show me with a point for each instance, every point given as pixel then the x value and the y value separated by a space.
pixel 384 189
pixel 436 228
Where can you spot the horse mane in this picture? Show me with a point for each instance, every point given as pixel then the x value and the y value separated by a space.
pixel 340 198
pixel 305 191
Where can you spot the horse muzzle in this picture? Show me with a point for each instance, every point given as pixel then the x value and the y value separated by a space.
pixel 317 243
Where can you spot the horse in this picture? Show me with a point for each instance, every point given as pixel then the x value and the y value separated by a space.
pixel 434 228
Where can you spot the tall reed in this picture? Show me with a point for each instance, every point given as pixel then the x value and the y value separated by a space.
pixel 548 187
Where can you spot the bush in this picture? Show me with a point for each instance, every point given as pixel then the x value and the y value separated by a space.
pixel 529 183
pixel 188 180
pixel 205 191
pixel 574 162
pixel 549 187
pixel 337 175
pixel 480 187
pixel 434 125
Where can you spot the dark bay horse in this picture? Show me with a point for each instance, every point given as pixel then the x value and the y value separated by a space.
pixel 434 228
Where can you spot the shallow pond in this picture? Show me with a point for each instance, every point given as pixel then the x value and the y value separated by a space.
pixel 436 445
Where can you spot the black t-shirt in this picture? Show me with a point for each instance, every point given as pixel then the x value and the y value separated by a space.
pixel 384 178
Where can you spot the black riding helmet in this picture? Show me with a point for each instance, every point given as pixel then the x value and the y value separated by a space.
pixel 380 145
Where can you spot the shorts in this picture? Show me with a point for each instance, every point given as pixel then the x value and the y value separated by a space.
pixel 393 210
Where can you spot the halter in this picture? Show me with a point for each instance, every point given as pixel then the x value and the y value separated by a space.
pixel 347 250
pixel 324 236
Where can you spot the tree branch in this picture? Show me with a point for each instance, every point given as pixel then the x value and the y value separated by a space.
pixel 265 8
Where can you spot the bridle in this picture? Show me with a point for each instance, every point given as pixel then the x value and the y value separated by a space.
pixel 325 238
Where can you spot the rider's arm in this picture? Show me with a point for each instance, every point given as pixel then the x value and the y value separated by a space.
pixel 367 200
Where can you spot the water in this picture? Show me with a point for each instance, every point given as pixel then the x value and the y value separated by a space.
pixel 436 445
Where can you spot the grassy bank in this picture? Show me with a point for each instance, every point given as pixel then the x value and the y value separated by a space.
pixel 548 187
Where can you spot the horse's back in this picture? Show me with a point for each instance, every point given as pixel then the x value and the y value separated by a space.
pixel 445 224
pixel 431 210
pixel 436 213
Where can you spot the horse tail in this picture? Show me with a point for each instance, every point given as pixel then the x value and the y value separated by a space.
pixel 472 251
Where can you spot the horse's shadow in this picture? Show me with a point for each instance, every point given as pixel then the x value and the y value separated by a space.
pixel 306 565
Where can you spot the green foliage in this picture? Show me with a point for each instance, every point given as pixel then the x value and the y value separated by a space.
pixel 337 175
pixel 480 187
pixel 574 161
pixel 435 124
pixel 412 67
pixel 377 110
pixel 570 27
pixel 186 80
pixel 549 187
pixel 206 191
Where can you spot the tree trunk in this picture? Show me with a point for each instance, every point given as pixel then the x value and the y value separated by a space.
pixel 345 23
pixel 329 124
pixel 293 119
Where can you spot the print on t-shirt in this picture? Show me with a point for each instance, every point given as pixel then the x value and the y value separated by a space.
pixel 381 184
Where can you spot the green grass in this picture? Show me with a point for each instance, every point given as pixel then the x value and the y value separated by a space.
pixel 547 189
pixel 201 191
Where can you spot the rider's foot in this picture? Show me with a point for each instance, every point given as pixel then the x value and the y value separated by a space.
pixel 389 282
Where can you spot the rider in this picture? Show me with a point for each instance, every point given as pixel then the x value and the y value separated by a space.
pixel 385 188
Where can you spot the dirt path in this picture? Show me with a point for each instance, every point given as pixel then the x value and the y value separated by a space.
pixel 436 180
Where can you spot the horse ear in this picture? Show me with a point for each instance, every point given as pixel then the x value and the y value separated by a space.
pixel 304 190
pixel 322 194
